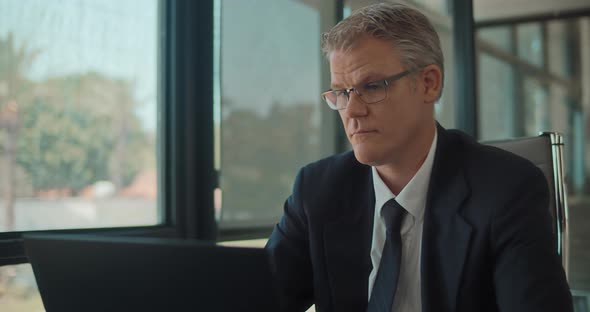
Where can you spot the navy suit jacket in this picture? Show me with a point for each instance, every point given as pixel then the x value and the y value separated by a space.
pixel 487 240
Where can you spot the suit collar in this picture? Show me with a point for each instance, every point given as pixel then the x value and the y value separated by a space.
pixel 446 234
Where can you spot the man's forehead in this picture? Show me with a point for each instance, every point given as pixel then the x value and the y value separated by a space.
pixel 367 44
pixel 368 60
pixel 347 77
pixel 343 63
pixel 367 50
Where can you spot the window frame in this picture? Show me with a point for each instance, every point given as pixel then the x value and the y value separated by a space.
pixel 186 178
pixel 186 172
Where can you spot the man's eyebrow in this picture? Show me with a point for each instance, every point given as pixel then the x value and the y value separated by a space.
pixel 336 87
pixel 366 79
pixel 371 78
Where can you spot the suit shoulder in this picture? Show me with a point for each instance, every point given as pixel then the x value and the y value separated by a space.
pixel 324 178
pixel 332 167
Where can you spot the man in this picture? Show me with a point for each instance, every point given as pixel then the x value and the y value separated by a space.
pixel 416 218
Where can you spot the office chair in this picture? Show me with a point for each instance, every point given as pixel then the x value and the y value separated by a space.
pixel 546 152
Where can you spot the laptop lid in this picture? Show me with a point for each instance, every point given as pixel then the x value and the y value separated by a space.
pixel 100 273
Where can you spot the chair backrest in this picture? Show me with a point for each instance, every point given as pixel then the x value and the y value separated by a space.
pixel 546 152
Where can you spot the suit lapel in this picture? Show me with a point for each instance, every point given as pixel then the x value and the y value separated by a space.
pixel 446 234
pixel 347 243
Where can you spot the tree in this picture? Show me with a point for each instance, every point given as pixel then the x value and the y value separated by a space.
pixel 65 132
pixel 78 130
pixel 260 157
pixel 62 148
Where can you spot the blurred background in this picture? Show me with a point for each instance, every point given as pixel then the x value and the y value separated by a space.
pixel 83 108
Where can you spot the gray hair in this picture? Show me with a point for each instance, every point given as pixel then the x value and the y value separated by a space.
pixel 411 33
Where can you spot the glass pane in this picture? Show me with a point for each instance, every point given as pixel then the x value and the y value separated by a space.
pixel 535 107
pixel 530 43
pixel 18 289
pixel 438 14
pixel 495 98
pixel 78 103
pixel 270 105
pixel 558 109
pixel 557 48
pixel 499 37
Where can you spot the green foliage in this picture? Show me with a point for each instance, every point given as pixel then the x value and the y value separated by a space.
pixel 62 148
pixel 81 129
pixel 74 130
pixel 260 157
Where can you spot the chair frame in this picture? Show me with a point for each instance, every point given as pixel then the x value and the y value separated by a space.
pixel 561 207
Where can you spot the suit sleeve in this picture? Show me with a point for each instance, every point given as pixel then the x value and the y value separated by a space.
pixel 528 274
pixel 288 247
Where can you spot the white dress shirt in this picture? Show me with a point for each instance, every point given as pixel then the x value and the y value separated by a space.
pixel 413 199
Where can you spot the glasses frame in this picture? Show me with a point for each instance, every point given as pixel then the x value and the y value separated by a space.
pixel 386 82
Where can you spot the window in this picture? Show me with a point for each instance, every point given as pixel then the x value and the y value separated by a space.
pixel 530 43
pixel 270 106
pixel 498 37
pixel 78 114
pixel 495 97
pixel 535 107
pixel 78 123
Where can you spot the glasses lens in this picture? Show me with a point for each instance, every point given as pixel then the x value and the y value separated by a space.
pixel 341 99
pixel 330 98
pixel 373 92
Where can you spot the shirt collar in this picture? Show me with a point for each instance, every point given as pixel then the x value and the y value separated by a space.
pixel 413 196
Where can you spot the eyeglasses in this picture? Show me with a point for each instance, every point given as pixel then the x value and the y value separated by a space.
pixel 370 93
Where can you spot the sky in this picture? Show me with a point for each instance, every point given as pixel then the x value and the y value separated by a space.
pixel 270 49
pixel 270 52
pixel 115 38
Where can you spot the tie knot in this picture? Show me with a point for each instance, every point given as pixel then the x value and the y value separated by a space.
pixel 393 213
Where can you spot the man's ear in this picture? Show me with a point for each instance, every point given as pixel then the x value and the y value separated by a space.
pixel 431 79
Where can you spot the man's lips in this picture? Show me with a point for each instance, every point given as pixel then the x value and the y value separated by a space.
pixel 359 132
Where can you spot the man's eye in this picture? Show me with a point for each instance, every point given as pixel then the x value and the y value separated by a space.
pixel 372 86
pixel 340 93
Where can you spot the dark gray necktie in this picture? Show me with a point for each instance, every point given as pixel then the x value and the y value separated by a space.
pixel 386 281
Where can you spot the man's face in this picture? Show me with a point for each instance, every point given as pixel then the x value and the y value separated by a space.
pixel 379 132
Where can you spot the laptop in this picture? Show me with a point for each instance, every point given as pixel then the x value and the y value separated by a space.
pixel 101 273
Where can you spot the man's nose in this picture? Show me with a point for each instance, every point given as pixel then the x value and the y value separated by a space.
pixel 356 107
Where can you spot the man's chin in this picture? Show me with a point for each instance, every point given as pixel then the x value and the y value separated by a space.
pixel 366 157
